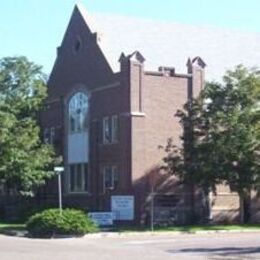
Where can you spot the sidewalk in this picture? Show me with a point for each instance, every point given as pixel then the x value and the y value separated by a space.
pixel 24 233
pixel 165 233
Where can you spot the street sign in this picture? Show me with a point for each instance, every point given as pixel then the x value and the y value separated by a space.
pixel 59 169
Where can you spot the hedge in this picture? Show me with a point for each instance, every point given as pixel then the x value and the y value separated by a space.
pixel 51 223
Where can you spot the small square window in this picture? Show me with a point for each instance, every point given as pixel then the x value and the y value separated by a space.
pixel 106 131
pixel 110 177
pixel 46 135
pixel 114 129
pixel 52 135
pixel 110 129
pixel 78 177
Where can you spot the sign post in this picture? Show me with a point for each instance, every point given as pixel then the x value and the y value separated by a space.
pixel 59 170
pixel 152 179
pixel 152 208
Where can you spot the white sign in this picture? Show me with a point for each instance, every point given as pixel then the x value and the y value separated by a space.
pixel 123 207
pixel 59 169
pixel 102 218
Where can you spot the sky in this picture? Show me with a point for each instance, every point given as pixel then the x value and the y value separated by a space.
pixel 35 28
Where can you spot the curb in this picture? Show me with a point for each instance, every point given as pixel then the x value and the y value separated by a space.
pixel 167 233
pixel 14 233
pixel 19 233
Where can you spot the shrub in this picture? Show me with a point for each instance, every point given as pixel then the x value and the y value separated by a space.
pixel 49 223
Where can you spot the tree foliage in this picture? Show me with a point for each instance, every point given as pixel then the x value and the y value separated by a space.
pixel 24 160
pixel 221 137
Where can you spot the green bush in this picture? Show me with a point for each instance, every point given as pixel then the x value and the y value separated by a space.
pixel 49 223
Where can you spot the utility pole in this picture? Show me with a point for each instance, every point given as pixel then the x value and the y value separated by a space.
pixel 152 180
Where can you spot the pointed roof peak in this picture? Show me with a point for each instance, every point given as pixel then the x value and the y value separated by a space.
pixel 189 62
pixel 86 16
pixel 122 57
pixel 199 62
pixel 79 4
pixel 92 27
pixel 136 56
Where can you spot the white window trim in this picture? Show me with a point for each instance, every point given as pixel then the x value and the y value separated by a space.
pixel 114 129
pixel 82 171
pixel 46 135
pixel 110 125
pixel 52 135
pixel 104 177
pixel 114 171
pixel 105 126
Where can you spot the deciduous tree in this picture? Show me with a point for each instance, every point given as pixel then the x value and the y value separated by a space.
pixel 24 160
pixel 221 137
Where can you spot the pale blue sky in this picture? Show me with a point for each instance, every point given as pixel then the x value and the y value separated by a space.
pixel 35 28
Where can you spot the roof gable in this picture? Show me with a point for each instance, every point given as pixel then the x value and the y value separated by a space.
pixel 80 58
pixel 170 44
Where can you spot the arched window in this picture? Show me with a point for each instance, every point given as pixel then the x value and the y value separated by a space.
pixel 78 113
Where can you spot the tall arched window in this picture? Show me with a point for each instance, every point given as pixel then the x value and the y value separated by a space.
pixel 78 113
pixel 78 144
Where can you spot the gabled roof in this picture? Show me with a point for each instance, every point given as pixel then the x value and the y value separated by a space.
pixel 170 44
pixel 199 62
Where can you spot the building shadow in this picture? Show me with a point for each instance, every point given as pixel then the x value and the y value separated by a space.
pixel 255 207
pixel 221 251
pixel 171 199
pixel 225 216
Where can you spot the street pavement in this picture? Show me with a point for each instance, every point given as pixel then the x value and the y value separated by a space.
pixel 227 246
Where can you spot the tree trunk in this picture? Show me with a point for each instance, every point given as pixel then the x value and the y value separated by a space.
pixel 209 206
pixel 241 208
pixel 244 207
pixel 247 208
pixel 193 206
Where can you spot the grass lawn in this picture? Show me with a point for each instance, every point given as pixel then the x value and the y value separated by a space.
pixel 193 228
pixel 186 229
pixel 8 226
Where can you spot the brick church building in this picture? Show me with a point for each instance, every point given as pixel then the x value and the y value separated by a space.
pixel 108 126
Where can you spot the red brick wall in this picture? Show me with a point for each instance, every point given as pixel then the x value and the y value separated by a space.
pixel 146 104
pixel 84 70
pixel 154 103
pixel 155 99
